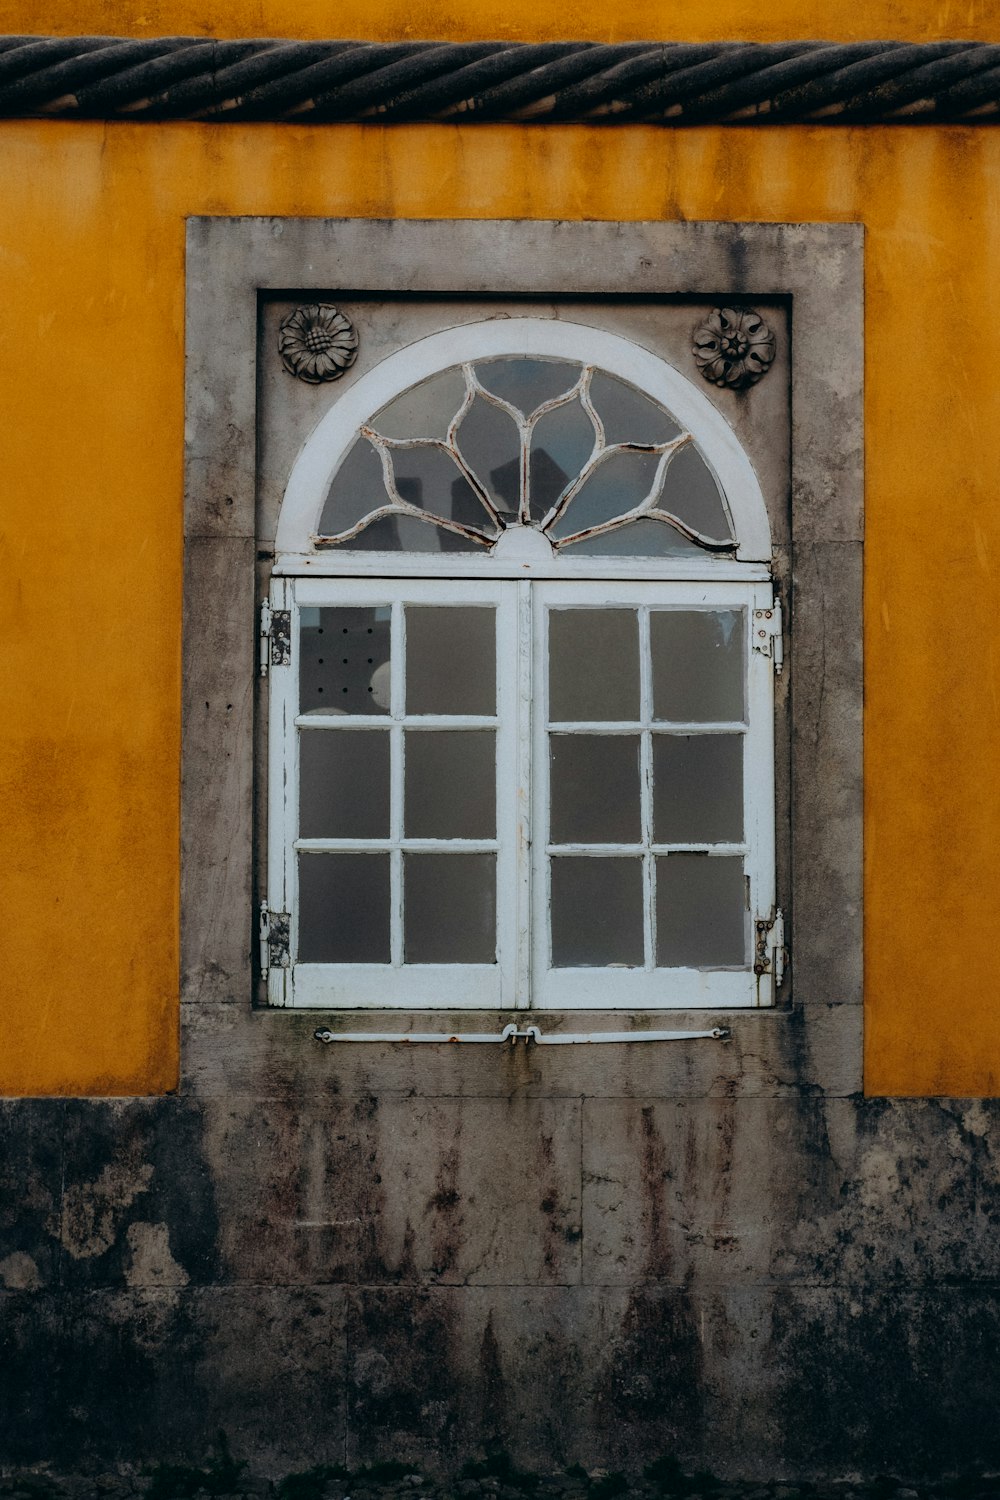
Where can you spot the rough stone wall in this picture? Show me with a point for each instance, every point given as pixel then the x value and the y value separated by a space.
pixel 761 1285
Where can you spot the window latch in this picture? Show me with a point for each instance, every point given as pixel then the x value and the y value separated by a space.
pixel 275 637
pixel 767 634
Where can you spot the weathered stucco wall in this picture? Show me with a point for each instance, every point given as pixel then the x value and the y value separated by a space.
pixel 710 1254
pixel 92 384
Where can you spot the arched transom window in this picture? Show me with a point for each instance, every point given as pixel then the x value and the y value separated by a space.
pixel 521 736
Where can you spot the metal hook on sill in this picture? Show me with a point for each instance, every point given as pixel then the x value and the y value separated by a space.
pixel 513 1034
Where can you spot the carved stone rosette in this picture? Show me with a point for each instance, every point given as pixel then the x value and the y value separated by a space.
pixel 317 343
pixel 733 347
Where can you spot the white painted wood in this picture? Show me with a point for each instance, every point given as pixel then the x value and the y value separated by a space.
pixel 471 565
pixel 313 471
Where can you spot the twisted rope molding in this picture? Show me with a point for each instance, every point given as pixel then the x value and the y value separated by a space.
pixel 193 78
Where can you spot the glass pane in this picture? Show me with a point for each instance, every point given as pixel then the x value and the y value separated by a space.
pixel 344 661
pixel 429 478
pixel 615 487
pixel 358 488
pixel 561 443
pixel 410 534
pixel 343 909
pixel 343 784
pixel 451 659
pixel 527 383
pixel 449 908
pixel 628 415
pixel 595 789
pixel 637 539
pixel 698 665
pixel 425 410
pixel 690 492
pixel 596 912
pixel 697 788
pixel 593 664
pixel 490 443
pixel 450 784
pixel 701 916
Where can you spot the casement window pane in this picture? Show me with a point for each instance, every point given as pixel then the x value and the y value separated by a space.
pixel 526 383
pixel 691 491
pixel 561 443
pixel 594 789
pixel 490 442
pixel 450 784
pixel 450 660
pixel 343 784
pixel 593 665
pixel 697 788
pixel 449 908
pixel 629 416
pixel 698 665
pixel 343 908
pixel 344 661
pixel 596 912
pixel 701 918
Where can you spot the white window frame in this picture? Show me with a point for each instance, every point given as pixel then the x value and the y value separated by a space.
pixel 522 977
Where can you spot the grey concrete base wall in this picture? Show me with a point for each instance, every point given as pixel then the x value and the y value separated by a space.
pixel 760 1285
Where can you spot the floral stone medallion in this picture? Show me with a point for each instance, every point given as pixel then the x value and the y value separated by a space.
pixel 733 347
pixel 317 343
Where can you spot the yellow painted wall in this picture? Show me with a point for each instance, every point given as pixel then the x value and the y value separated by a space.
pixel 91 397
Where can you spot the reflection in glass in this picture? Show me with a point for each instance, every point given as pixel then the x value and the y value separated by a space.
pixel 595 789
pixel 450 784
pixel 629 416
pixel 429 478
pixel 593 665
pixel 643 538
pixel 450 659
pixel 489 441
pixel 449 908
pixel 358 487
pixel 425 410
pixel 596 912
pixel 701 915
pixel 344 660
pixel 527 383
pixel 691 492
pixel 343 784
pixel 561 443
pixel 697 788
pixel 614 487
pixel 343 908
pixel 698 665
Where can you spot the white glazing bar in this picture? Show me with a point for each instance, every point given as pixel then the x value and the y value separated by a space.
pixel 602 851
pixel 646 789
pixel 397 689
pixel 378 721
pixel 410 846
pixel 522 900
pixel 665 726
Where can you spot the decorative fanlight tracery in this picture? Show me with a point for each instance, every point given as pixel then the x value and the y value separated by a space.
pixel 565 449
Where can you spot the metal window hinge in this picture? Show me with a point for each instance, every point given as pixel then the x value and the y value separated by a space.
pixel 275 637
pixel 769 946
pixel 273 933
pixel 767 636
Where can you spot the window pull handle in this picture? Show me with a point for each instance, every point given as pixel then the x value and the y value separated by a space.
pixel 512 1034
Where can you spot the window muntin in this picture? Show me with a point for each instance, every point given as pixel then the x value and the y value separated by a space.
pixel 569 449
pixel 401 841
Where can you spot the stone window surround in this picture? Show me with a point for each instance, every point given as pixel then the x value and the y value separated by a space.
pixel 812 1038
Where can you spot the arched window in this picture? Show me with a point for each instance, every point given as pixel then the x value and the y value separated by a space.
pixel 521 739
